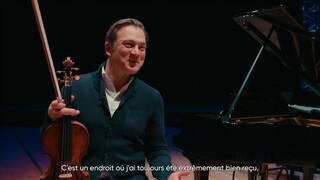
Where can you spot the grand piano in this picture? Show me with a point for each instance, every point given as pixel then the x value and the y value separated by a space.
pixel 280 133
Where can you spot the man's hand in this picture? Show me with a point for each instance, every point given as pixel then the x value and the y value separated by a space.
pixel 57 109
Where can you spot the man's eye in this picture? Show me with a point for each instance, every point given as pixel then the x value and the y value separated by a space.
pixel 128 45
pixel 142 48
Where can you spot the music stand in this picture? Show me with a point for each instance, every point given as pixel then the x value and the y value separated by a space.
pixel 279 33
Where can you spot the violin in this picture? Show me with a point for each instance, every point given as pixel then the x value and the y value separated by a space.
pixel 67 141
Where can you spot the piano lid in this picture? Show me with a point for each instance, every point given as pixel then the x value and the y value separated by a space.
pixel 279 33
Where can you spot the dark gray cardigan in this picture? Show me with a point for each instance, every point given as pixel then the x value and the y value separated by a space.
pixel 135 132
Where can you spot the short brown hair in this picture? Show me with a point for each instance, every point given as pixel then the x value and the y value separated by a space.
pixel 114 28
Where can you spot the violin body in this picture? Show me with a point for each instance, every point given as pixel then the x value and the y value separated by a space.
pixel 52 147
pixel 66 141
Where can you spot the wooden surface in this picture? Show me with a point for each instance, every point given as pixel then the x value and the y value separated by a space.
pixel 22 158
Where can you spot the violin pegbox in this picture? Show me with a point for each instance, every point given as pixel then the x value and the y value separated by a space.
pixel 69 72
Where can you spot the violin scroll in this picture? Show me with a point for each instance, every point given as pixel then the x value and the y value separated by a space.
pixel 69 72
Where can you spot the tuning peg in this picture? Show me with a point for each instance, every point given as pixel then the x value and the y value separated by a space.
pixel 60 72
pixel 69 71
pixel 75 72
pixel 75 69
pixel 76 77
pixel 61 81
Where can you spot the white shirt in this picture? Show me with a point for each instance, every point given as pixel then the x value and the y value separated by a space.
pixel 112 95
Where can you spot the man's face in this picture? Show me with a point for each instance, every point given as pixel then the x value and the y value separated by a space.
pixel 129 50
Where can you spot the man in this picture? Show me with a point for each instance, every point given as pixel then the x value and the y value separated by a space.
pixel 123 115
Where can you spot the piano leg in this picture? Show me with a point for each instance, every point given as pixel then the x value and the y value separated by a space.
pixel 307 173
pixel 201 175
pixel 198 175
pixel 264 171
pixel 252 175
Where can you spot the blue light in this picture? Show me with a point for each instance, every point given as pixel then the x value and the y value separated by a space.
pixel 311 16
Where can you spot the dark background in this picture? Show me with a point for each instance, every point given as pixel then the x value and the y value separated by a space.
pixel 197 54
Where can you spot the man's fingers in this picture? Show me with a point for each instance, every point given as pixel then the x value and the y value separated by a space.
pixel 57 105
pixel 184 173
pixel 72 98
pixel 69 111
pixel 57 109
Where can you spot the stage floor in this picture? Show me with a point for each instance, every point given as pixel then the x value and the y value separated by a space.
pixel 22 156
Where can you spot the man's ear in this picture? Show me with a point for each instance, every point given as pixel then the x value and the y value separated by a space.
pixel 108 48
